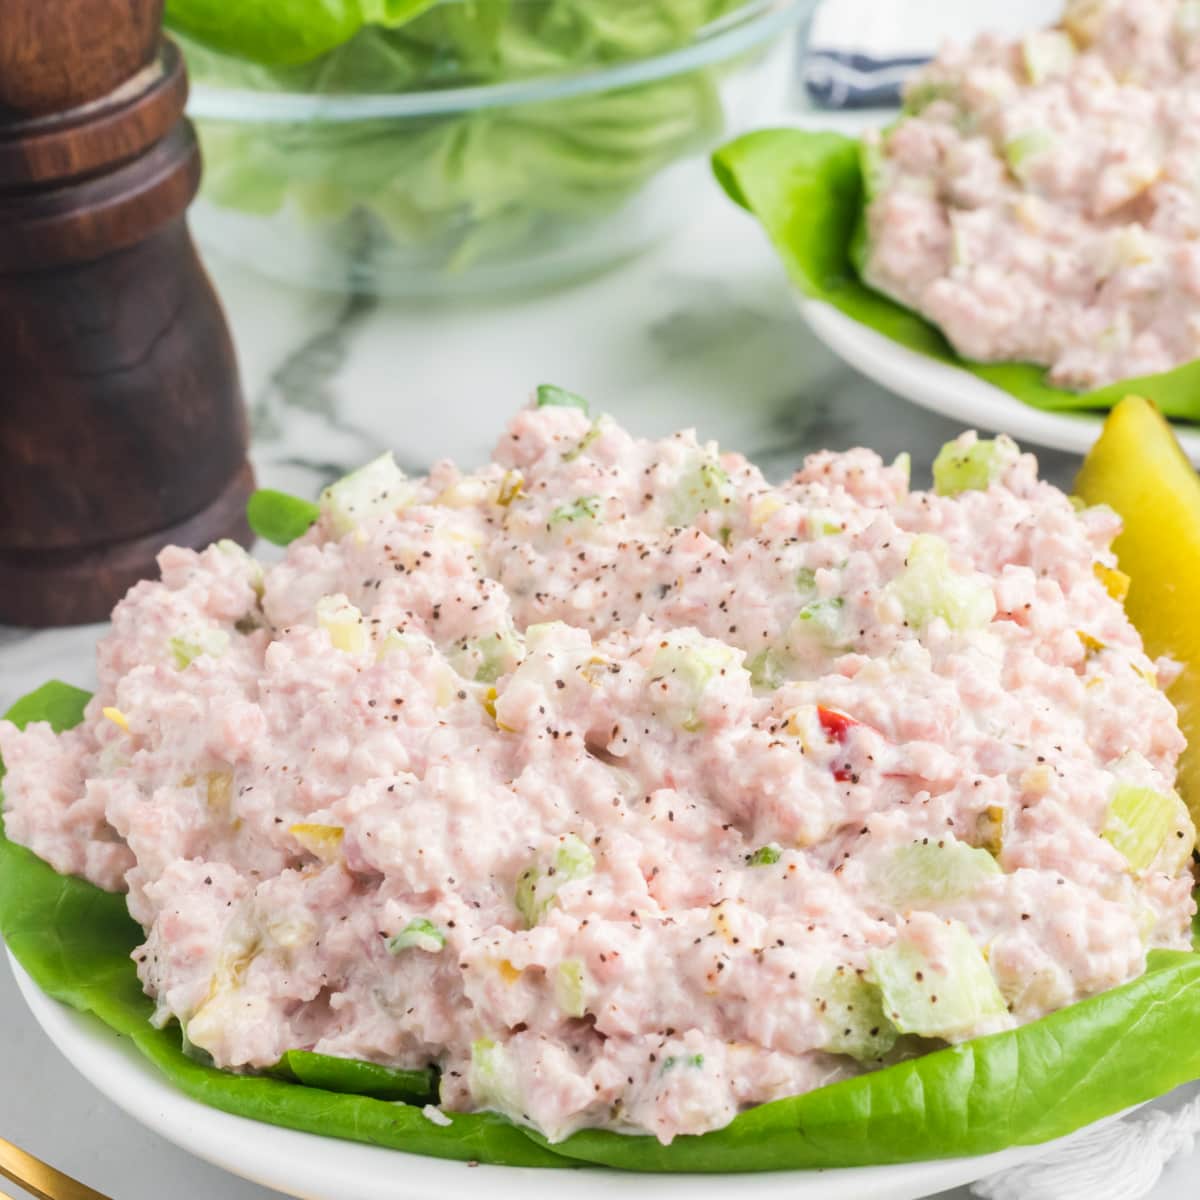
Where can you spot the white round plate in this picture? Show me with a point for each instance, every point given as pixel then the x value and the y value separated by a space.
pixel 956 393
pixel 316 1168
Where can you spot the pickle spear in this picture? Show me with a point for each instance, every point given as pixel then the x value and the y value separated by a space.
pixel 1138 468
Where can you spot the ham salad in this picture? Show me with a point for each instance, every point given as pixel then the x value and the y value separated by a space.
pixel 1041 202
pixel 624 787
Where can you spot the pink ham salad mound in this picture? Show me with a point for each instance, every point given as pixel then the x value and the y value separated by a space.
pixel 1042 202
pixel 629 789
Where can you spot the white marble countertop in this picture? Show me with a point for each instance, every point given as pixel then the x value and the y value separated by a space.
pixel 701 332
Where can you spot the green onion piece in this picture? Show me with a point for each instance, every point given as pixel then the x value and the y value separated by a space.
pixel 765 856
pixel 279 518
pixel 419 933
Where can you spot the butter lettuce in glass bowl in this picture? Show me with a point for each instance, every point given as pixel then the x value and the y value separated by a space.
pixel 465 146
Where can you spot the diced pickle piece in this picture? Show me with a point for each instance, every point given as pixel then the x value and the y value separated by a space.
pixel 970 464
pixel 377 488
pixel 1138 469
pixel 704 488
pixel 1047 52
pixel 1145 826
pixel 343 622
pixel 938 985
pixel 768 669
pixel 929 587
pixel 819 621
pixel 325 841
pixel 851 1009
pixel 493 1077
pixel 926 872
pixel 683 668
pixel 1116 583
pixel 1020 151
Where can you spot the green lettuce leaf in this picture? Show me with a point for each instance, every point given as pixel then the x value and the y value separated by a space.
pixel 315 45
pixel 278 517
pixel 1017 1088
pixel 281 32
pixel 807 190
pixel 358 1078
pixel 471 185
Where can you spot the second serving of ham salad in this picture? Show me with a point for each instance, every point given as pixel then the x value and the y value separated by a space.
pixel 625 788
pixel 1039 202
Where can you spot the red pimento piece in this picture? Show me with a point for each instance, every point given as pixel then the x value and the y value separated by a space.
pixel 837 725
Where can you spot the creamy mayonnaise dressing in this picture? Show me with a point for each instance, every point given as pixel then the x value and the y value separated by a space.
pixel 1042 201
pixel 627 788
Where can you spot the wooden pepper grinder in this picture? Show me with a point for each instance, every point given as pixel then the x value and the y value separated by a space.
pixel 121 420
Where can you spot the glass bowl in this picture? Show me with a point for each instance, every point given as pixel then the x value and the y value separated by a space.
pixel 519 169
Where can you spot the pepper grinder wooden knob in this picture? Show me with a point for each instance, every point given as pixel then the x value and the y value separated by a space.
pixel 121 420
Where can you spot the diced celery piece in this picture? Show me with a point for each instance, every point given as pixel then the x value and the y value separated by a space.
pixel 537 889
pixel 343 622
pixel 806 579
pixel 767 669
pixel 972 465
pixel 929 588
pixel 765 856
pixel 946 994
pixel 1021 150
pixel 1047 52
pixel 570 987
pixel 188 647
pixel 492 1077
pixel 549 396
pixel 1144 824
pixel 926 872
pixel 420 934
pixel 377 488
pixel 585 508
pixel 705 488
pixel 687 664
pixel 851 1009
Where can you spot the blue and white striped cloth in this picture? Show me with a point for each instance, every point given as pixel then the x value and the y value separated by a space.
pixel 861 51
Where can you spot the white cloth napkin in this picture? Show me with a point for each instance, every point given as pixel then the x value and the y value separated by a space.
pixel 861 51
pixel 1118 1161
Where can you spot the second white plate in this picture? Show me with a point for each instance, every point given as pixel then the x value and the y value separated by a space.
pixel 956 393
